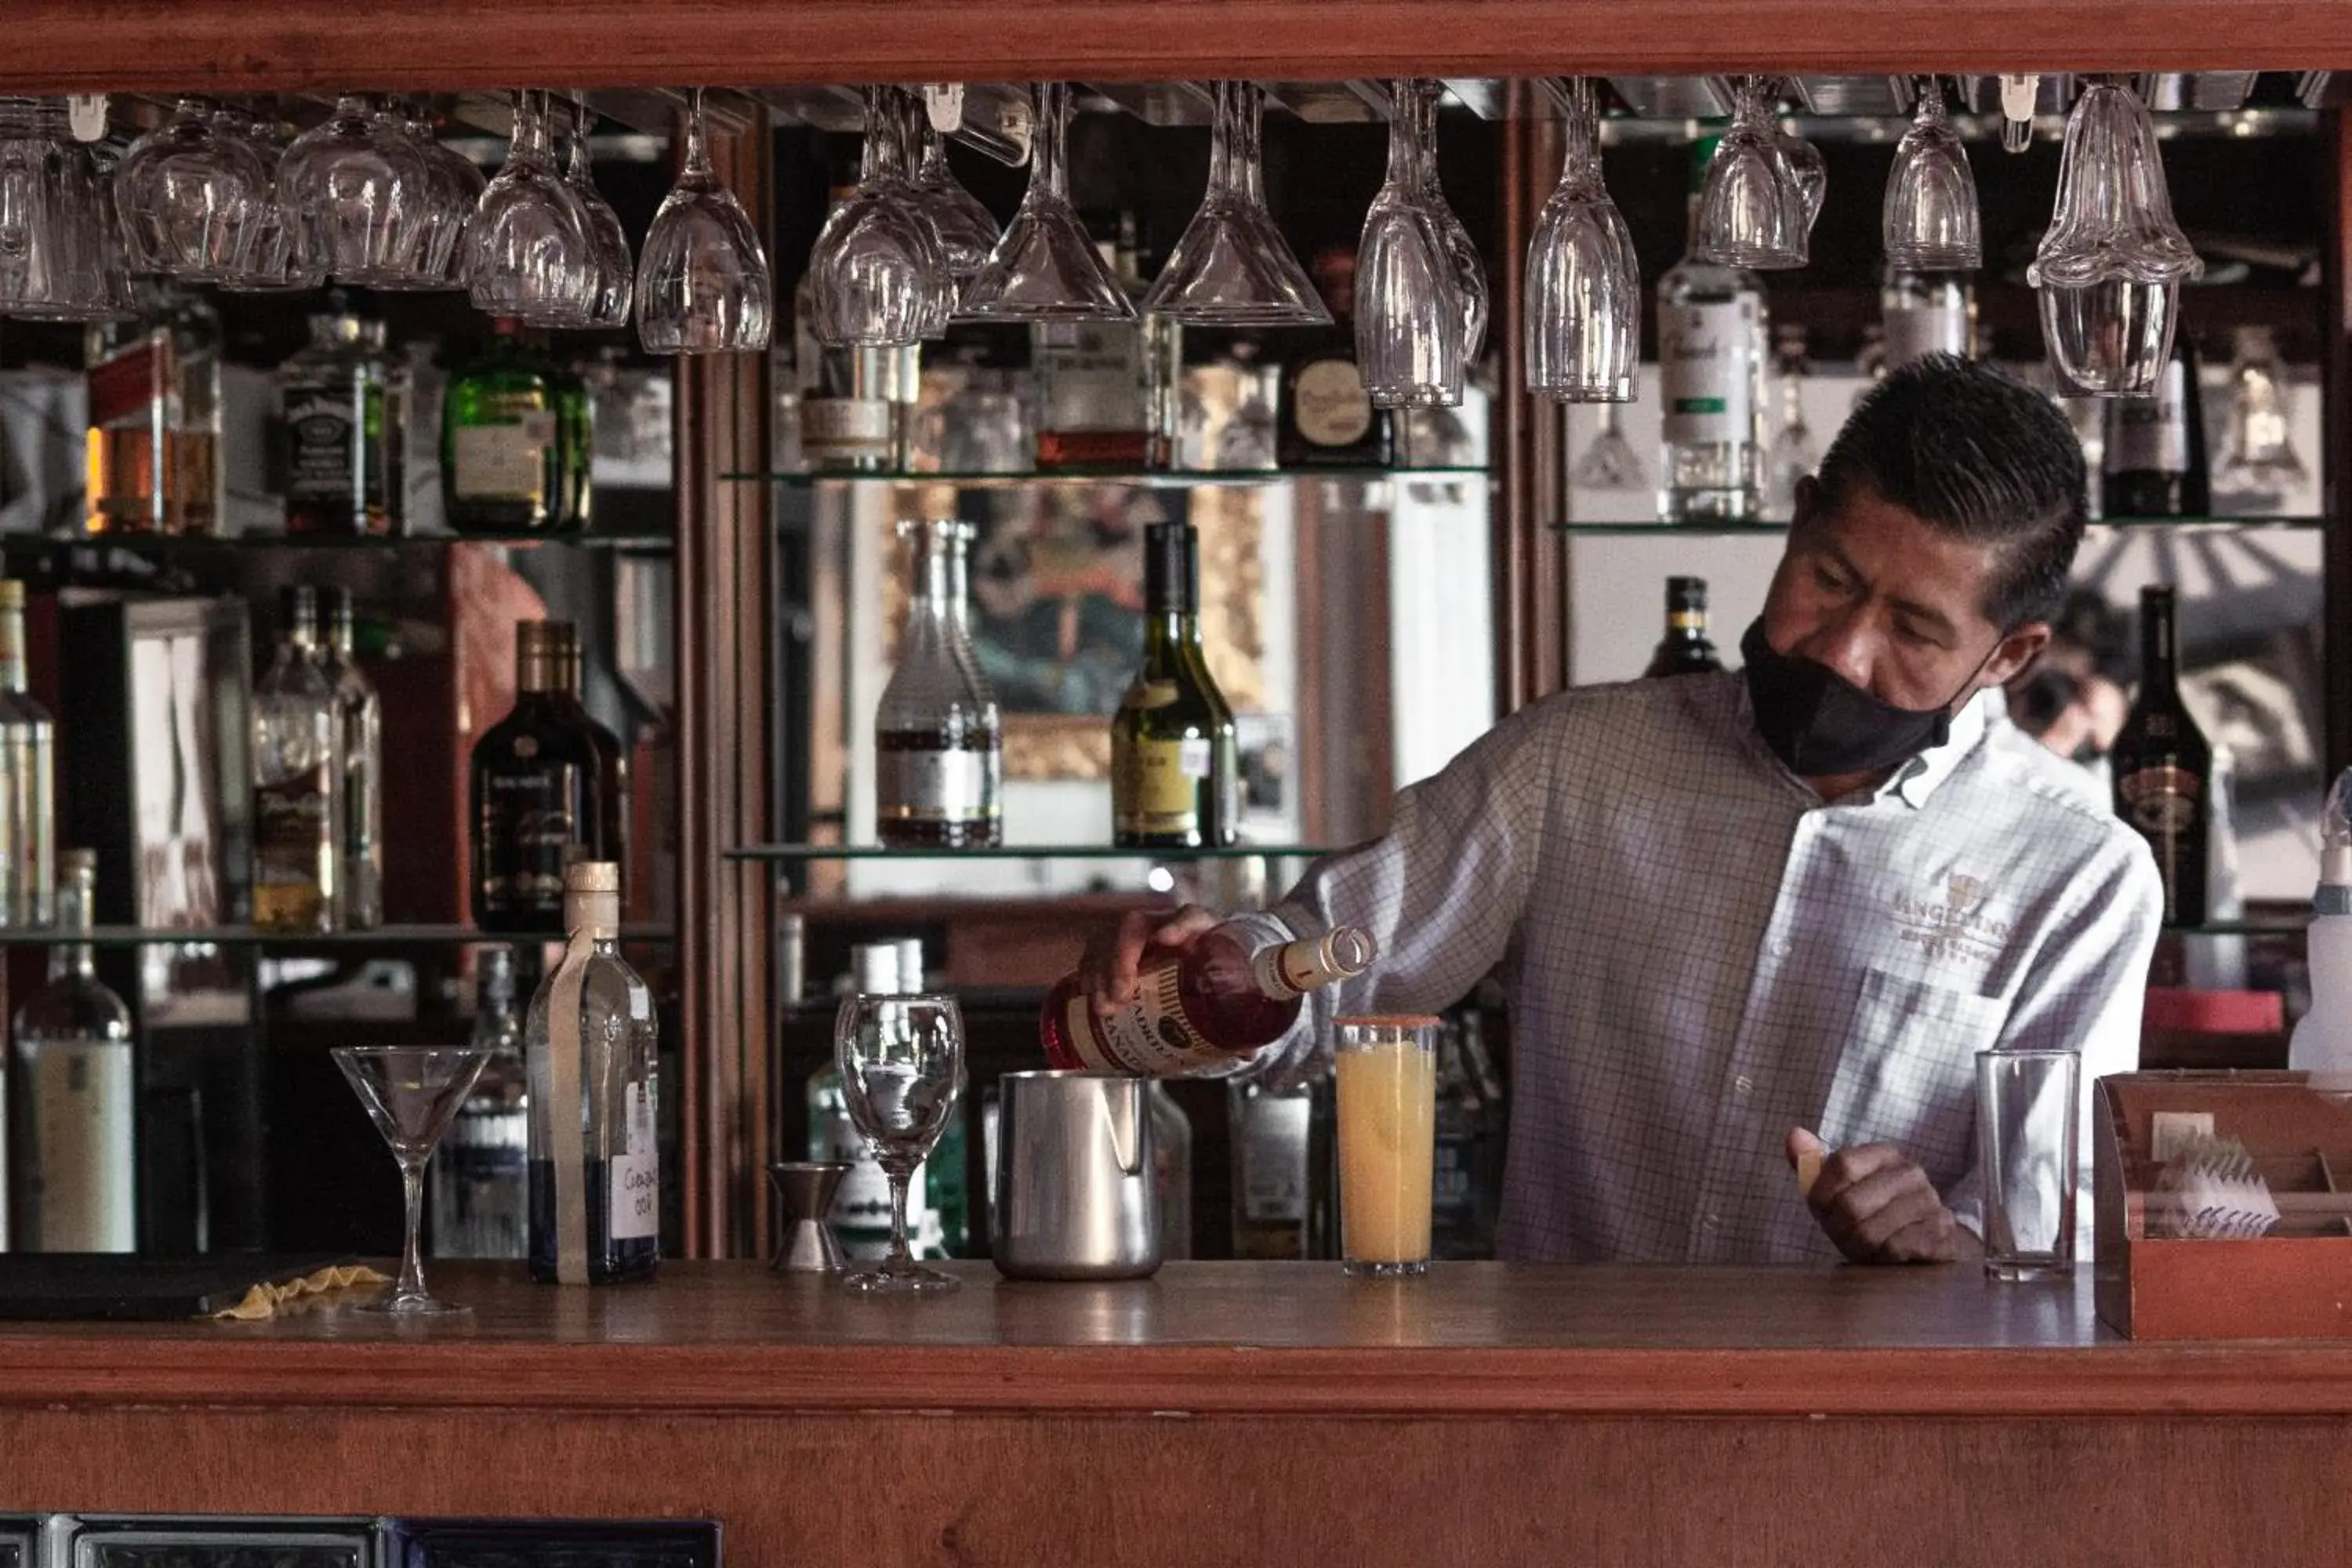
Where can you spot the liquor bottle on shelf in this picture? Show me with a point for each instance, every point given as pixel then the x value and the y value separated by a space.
pixel 1268 1130
pixel 854 403
pixel 27 783
pixel 297 780
pixel 155 388
pixel 481 1182
pixel 1326 418
pixel 938 763
pixel 1685 648
pixel 1200 1010
pixel 339 416
pixel 75 1108
pixel 595 1164
pixel 1923 313
pixel 938 1208
pixel 2154 465
pixel 1712 331
pixel 1175 770
pixel 2163 766
pixel 506 459
pixel 575 442
pixel 612 830
pixel 359 716
pixel 2258 465
pixel 1107 391
pixel 538 789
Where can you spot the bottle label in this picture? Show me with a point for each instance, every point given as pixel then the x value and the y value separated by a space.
pixel 1687 621
pixel 637 1172
pixel 529 833
pixel 321 437
pixel 931 784
pixel 1331 407
pixel 1155 784
pixel 505 461
pixel 2163 799
pixel 2150 435
pixel 1914 332
pixel 1273 1149
pixel 1704 355
pixel 840 424
pixel 80 1113
pixel 1090 374
pixel 1150 1037
pixel 292 835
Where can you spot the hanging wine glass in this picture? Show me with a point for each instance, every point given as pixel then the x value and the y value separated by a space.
pixel 273 266
pixel 963 228
pixel 615 267
pixel 1232 267
pixel 357 192
pixel 877 276
pixel 1929 220
pixel 1469 270
pixel 1752 211
pixel 530 252
pixel 192 198
pixel 1583 280
pixel 1043 268
pixel 457 189
pixel 1408 320
pixel 703 285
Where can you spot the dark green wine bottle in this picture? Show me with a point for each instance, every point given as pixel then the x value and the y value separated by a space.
pixel 1175 773
pixel 504 452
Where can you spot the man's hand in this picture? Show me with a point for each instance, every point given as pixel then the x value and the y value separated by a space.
pixel 1878 1207
pixel 1108 969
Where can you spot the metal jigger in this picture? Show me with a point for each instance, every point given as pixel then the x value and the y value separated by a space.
pixel 804 1190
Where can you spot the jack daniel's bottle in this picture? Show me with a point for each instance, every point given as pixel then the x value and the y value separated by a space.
pixel 2163 767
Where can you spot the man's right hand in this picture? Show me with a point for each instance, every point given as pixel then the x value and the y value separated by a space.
pixel 1115 955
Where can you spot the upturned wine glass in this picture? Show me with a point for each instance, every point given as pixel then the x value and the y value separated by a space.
pixel 60 248
pixel 1232 267
pixel 1469 270
pixel 902 1067
pixel 411 1093
pixel 1584 283
pixel 1929 220
pixel 703 285
pixel 192 198
pixel 530 250
pixel 1409 322
pixel 357 192
pixel 1610 463
pixel 1808 172
pixel 616 268
pixel 1043 268
pixel 1751 210
pixel 273 265
pixel 877 276
pixel 457 192
pixel 965 231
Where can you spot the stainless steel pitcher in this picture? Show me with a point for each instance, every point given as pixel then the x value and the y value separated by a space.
pixel 1074 1179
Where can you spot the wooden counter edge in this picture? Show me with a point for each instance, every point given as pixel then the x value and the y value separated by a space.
pixel 2265 1380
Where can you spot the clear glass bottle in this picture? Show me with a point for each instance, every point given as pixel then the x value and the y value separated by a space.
pixel 338 415
pixel 77 1188
pixel 1712 326
pixel 1107 391
pixel 939 740
pixel 2258 465
pixel 1923 313
pixel 27 783
pixel 155 388
pixel 359 715
pixel 594 1110
pixel 482 1183
pixel 297 780
pixel 1793 453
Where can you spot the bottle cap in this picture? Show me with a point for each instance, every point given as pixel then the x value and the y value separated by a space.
pixel 591 877
pixel 874 968
pixel 1686 593
pixel 1171 568
pixel 77 862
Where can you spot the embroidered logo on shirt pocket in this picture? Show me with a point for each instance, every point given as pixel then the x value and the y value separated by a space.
pixel 1907 1073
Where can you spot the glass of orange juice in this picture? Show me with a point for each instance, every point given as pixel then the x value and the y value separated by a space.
pixel 1387 1073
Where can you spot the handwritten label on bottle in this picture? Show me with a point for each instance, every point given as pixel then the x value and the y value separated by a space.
pixel 636 1172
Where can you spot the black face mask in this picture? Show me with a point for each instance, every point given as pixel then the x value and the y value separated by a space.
pixel 1822 724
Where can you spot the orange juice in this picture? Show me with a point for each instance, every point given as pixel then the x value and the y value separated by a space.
pixel 1387 1140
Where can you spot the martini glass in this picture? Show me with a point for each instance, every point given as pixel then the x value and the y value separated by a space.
pixel 1232 267
pixel 1042 267
pixel 411 1092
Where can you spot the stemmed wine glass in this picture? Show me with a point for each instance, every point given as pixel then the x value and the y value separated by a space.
pixel 617 270
pixel 1043 267
pixel 456 190
pixel 877 274
pixel 1469 271
pixel 1751 210
pixel 1611 463
pixel 702 278
pixel 192 198
pixel 1583 280
pixel 1232 267
pixel 901 1061
pixel 357 191
pixel 1929 220
pixel 1410 324
pixel 965 231
pixel 411 1093
pixel 530 251
pixel 273 265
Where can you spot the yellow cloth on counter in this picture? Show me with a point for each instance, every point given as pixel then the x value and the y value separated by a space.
pixel 266 1301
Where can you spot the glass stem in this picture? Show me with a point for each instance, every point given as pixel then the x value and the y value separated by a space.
pixel 902 1257
pixel 412 1260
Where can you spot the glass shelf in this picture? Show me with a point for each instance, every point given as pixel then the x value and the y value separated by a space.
pixel 812 852
pixel 190 543
pixel 1650 527
pixel 2257 925
pixel 247 936
pixel 1141 478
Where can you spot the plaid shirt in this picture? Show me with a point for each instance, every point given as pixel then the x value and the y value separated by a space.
pixel 1700 954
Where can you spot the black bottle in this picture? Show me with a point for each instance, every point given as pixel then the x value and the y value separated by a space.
pixel 538 790
pixel 2163 767
pixel 1684 649
pixel 2155 461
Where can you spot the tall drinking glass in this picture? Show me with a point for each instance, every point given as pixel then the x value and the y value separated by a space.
pixel 2027 1104
pixel 1387 1073
pixel 901 1061
pixel 411 1093
pixel 1409 327
pixel 1583 281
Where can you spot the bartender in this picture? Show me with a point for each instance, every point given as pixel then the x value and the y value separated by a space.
pixel 1751 920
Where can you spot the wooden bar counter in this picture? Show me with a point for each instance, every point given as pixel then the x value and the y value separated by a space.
pixel 1232 1413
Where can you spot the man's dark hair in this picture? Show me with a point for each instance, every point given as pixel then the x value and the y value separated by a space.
pixel 1977 454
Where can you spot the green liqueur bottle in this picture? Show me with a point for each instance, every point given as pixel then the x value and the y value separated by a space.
pixel 1175 773
pixel 508 440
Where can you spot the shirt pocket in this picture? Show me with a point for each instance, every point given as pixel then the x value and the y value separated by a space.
pixel 1907 1074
